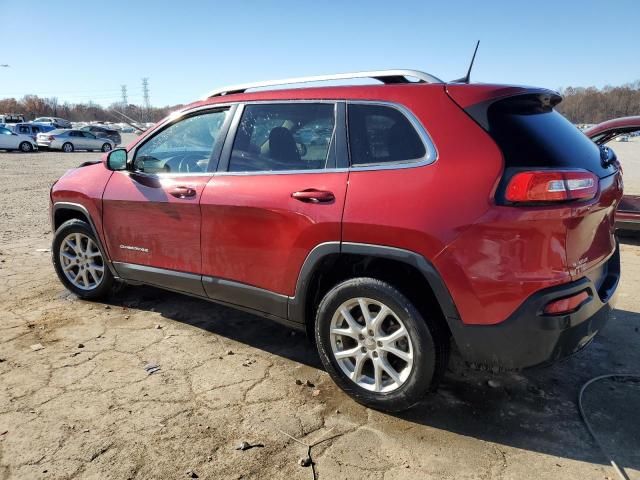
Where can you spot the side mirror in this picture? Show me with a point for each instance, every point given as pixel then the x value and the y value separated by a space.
pixel 117 159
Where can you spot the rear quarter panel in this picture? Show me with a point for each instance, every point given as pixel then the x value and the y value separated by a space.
pixel 422 209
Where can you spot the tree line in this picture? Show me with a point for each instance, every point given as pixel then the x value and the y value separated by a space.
pixel 580 105
pixel 595 105
pixel 32 106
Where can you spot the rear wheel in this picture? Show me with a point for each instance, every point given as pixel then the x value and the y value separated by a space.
pixel 79 262
pixel 26 147
pixel 377 346
pixel 106 147
pixel 67 147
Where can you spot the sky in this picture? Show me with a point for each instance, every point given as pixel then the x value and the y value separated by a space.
pixel 82 51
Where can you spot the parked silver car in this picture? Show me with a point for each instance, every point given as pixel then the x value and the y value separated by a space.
pixel 55 121
pixel 70 140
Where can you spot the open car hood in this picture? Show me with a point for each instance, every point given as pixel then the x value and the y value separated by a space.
pixel 607 131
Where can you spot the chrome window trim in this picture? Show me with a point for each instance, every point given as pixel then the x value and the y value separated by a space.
pixel 430 157
pixel 431 152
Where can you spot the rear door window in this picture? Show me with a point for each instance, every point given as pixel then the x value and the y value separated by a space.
pixel 380 134
pixel 281 137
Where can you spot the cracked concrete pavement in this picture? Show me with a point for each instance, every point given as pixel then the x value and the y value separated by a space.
pixel 84 407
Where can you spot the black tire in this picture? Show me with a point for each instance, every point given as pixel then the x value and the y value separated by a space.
pixel 26 147
pixel 107 282
pixel 106 147
pixel 430 347
pixel 68 147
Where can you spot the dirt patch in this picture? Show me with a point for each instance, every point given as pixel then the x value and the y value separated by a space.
pixel 84 406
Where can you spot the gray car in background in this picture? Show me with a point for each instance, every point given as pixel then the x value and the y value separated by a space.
pixel 71 140
pixel 103 132
pixel 55 121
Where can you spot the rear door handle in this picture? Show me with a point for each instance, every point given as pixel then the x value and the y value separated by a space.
pixel 182 192
pixel 312 195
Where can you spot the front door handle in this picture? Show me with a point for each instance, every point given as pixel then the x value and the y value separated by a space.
pixel 312 195
pixel 182 192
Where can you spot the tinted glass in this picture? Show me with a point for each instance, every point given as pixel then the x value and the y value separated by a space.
pixel 531 133
pixel 184 147
pixel 380 134
pixel 5 131
pixel 23 129
pixel 277 137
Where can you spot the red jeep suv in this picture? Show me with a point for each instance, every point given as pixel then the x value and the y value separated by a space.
pixel 387 220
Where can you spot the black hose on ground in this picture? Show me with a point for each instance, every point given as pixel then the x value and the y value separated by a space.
pixel 620 471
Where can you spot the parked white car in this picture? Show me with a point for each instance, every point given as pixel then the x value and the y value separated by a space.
pixel 15 141
pixel 70 140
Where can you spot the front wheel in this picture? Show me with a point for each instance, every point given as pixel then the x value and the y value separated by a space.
pixel 67 147
pixel 377 346
pixel 79 262
pixel 26 147
pixel 106 147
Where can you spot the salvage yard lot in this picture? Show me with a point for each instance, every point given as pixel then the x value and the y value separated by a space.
pixel 83 406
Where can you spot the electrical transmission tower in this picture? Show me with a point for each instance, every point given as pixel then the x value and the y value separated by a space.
pixel 123 89
pixel 145 98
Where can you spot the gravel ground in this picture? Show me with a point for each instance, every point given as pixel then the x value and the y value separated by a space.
pixel 83 406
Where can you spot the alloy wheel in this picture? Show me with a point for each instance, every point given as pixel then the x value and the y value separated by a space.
pixel 371 345
pixel 81 261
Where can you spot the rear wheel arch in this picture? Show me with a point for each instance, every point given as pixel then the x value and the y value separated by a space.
pixel 409 272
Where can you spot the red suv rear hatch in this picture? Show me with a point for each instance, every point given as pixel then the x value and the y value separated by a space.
pixel 549 163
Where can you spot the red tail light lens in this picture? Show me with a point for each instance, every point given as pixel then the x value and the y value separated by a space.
pixel 567 304
pixel 551 186
pixel 51 138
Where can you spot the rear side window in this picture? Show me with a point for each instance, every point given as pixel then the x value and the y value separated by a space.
pixel 279 137
pixel 380 134
pixel 531 133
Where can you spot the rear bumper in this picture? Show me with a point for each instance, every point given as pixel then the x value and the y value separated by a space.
pixel 531 338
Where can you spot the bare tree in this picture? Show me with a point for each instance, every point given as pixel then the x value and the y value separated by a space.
pixel 593 105
pixel 32 106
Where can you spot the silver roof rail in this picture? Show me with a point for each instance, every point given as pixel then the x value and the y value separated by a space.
pixel 384 76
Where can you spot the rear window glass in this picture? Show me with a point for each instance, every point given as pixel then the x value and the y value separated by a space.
pixel 532 134
pixel 379 134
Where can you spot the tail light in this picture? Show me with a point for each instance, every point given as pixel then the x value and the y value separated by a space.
pixel 551 186
pixel 51 138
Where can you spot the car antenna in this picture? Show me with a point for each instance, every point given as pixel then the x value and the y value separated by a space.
pixel 467 77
